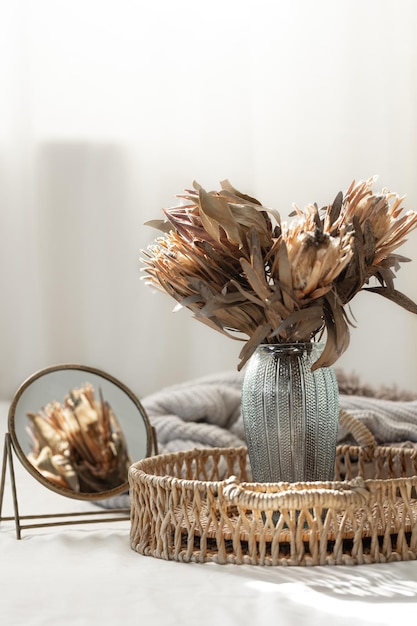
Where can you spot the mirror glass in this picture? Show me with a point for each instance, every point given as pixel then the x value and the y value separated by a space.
pixel 77 430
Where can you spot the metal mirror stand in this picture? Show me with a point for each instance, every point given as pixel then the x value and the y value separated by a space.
pixel 81 517
pixel 12 447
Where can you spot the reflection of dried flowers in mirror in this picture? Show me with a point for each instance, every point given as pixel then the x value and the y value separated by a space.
pixel 79 445
pixel 242 271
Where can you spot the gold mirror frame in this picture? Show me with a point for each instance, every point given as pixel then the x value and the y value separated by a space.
pixel 53 384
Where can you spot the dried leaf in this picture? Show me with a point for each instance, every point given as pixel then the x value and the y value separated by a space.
pixel 216 217
pixel 250 346
pixel 256 256
pixel 369 242
pixel 317 219
pixel 312 317
pixel 221 264
pixel 285 278
pixel 227 186
pixel 336 208
pixel 396 259
pixel 338 335
pixel 247 294
pixel 214 324
pixel 385 276
pixel 162 225
pixel 395 296
pixel 256 281
pixel 275 301
pixel 251 218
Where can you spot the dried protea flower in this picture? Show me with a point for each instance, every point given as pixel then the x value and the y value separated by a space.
pixel 379 227
pixel 316 255
pixel 240 270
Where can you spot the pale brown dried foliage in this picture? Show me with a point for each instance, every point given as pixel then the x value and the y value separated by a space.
pixel 243 272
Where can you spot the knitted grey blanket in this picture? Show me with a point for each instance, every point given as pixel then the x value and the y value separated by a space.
pixel 205 412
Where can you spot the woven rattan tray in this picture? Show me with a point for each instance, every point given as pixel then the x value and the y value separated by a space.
pixel 200 506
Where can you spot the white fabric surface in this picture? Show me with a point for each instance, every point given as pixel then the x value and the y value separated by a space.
pixel 88 575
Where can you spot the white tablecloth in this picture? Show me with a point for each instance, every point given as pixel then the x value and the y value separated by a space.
pixel 87 575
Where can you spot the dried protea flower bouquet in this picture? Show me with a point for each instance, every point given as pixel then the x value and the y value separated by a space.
pixel 244 272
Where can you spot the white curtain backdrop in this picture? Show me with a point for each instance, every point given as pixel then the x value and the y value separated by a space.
pixel 110 108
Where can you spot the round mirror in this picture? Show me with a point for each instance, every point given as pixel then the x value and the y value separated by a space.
pixel 77 430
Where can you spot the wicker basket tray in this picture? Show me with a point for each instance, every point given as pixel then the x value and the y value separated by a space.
pixel 200 506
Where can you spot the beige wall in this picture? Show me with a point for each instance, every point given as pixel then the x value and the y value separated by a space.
pixel 105 120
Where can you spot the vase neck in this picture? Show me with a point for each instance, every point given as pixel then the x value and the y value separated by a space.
pixel 290 348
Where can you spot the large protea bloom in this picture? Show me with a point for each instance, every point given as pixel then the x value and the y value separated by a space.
pixel 240 270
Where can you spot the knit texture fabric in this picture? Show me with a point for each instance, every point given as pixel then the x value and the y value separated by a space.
pixel 206 413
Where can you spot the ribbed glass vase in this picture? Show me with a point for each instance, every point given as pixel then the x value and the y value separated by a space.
pixel 290 414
